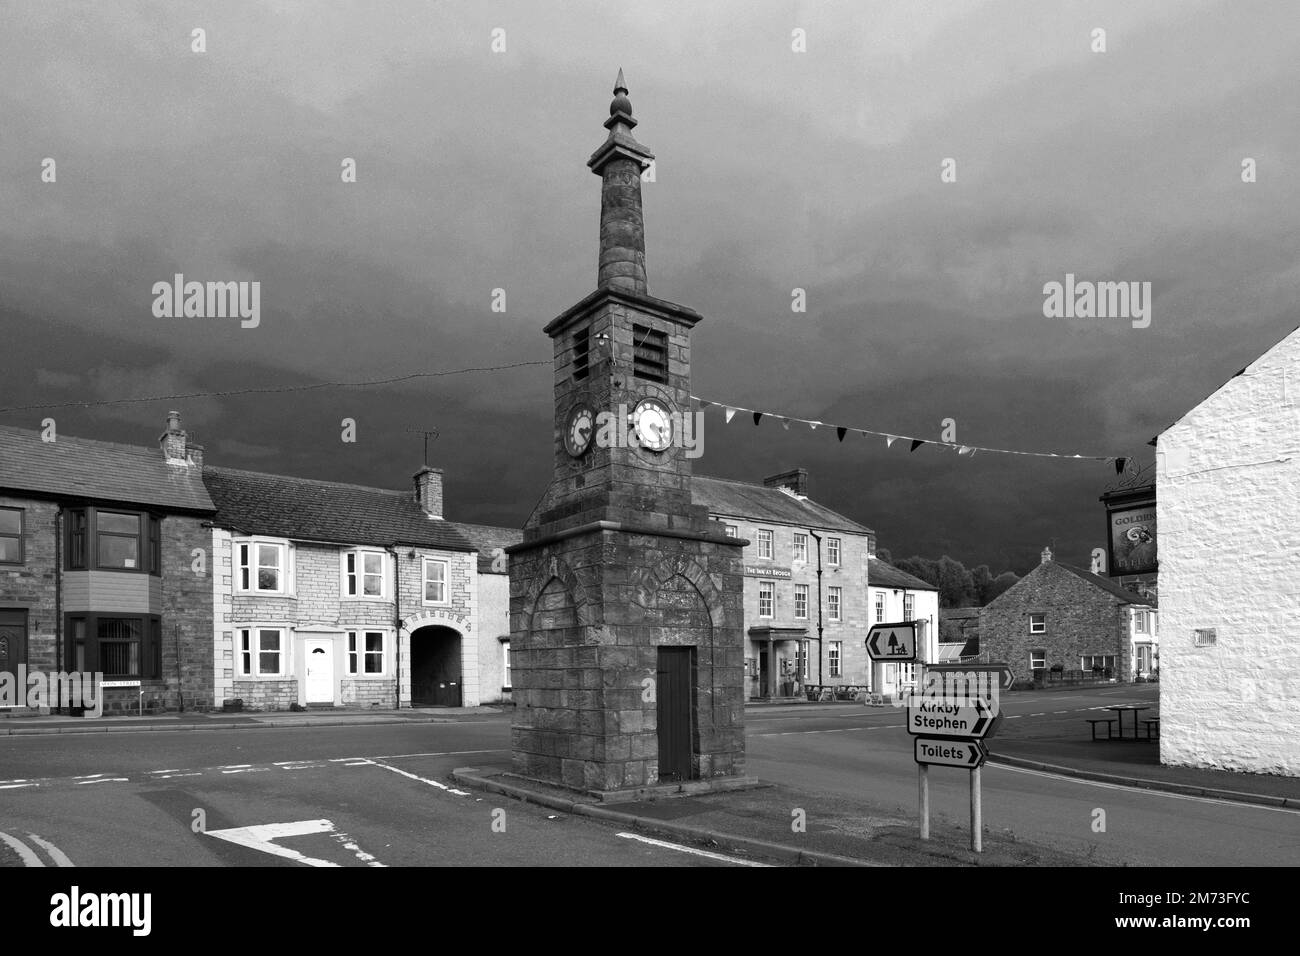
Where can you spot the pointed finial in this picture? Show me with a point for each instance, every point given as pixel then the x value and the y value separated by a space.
pixel 620 104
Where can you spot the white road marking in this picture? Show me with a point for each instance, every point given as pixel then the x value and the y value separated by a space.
pixel 58 856
pixel 839 730
pixel 17 786
pixel 248 770
pixel 369 859
pixel 174 770
pixel 260 837
pixel 29 857
pixel 1132 789
pixel 691 850
pixel 82 783
pixel 432 783
pixel 170 775
pixel 441 753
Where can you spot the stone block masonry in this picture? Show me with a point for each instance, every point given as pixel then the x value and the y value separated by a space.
pixel 586 709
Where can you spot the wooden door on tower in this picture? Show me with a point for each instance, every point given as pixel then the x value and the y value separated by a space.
pixel 675 710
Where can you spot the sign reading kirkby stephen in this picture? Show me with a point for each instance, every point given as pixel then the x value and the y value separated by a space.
pixel 1132 539
pixel 754 571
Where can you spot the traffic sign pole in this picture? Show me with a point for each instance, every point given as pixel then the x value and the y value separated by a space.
pixel 923 798
pixel 976 813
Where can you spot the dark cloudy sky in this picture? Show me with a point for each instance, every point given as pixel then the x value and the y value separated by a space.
pixel 776 170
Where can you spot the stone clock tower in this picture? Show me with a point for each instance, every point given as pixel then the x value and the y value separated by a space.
pixel 625 599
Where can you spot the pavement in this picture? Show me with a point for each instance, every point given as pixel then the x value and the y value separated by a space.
pixel 794 826
pixel 27 724
pixel 1061 742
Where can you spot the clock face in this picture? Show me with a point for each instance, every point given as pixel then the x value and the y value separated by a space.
pixel 653 424
pixel 578 431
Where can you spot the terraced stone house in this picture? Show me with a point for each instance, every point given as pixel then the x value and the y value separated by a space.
pixel 340 595
pixel 104 566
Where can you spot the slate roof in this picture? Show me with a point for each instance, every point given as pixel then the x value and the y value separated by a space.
pixel 881 574
pixel 488 538
pixel 250 502
pixel 97 470
pixel 1109 586
pixel 742 499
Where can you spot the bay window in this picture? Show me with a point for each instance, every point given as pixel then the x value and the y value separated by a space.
pixel 103 539
pixel 261 652
pixel 263 566
pixel 363 574
pixel 122 647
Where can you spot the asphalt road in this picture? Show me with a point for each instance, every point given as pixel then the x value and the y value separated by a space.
pixel 385 796
pixel 340 796
pixel 845 751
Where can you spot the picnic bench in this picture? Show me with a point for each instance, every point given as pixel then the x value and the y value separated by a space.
pixel 1150 723
pixel 1108 721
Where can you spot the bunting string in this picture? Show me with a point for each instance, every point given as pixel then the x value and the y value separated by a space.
pixel 729 411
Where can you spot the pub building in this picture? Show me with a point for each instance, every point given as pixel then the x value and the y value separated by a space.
pixel 807 608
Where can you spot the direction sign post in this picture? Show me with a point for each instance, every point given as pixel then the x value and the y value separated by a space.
pixel 950 732
pixel 1006 677
pixel 892 642
pixel 945 752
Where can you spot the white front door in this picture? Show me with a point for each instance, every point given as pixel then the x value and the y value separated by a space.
pixel 320 671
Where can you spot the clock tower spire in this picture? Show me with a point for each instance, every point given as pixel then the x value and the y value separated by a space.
pixel 619 163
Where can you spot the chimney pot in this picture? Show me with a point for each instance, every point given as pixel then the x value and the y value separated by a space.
pixel 1046 556
pixel 173 440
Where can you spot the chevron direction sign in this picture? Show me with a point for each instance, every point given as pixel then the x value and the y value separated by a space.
pixel 892 642
pixel 968 754
pixel 1005 677
pixel 936 717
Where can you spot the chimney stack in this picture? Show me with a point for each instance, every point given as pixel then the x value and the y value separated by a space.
pixel 173 440
pixel 1046 556
pixel 796 481
pixel 428 490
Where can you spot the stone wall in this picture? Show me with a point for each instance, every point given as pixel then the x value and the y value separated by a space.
pixel 187 604
pixel 33 584
pixel 588 615
pixel 1227 488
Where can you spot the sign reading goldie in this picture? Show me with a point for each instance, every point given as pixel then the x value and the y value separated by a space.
pixel 1133 539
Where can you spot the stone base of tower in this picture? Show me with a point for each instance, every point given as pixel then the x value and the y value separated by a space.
pixel 625 641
